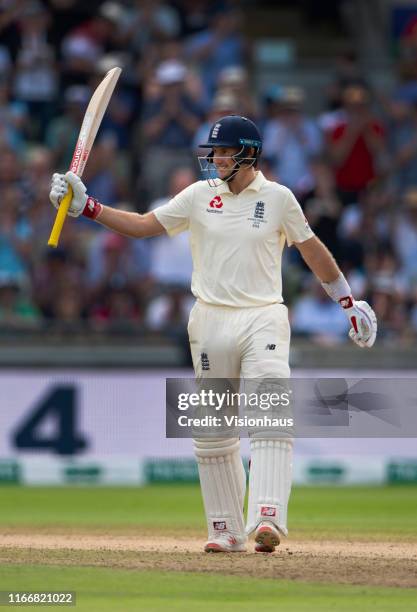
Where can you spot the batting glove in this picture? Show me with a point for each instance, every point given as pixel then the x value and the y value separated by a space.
pixel 81 203
pixel 363 321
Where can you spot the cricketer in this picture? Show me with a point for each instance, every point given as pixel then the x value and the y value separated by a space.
pixel 239 223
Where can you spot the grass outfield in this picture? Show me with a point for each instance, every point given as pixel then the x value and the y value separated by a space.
pixel 125 581
pixel 105 590
pixel 314 512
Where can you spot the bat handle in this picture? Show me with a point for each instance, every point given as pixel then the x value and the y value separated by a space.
pixel 60 218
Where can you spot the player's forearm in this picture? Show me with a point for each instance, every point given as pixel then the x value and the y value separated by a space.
pixel 319 259
pixel 127 223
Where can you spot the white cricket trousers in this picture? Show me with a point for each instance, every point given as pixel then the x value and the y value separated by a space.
pixel 244 343
pixel 239 342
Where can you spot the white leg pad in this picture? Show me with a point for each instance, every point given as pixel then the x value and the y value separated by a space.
pixel 269 483
pixel 223 484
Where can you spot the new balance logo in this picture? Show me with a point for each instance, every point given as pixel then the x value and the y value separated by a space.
pixel 346 302
pixel 219 525
pixel 205 363
pixel 270 347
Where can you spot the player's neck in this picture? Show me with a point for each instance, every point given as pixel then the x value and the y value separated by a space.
pixel 241 180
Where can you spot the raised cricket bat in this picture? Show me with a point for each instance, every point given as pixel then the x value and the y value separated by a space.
pixel 91 122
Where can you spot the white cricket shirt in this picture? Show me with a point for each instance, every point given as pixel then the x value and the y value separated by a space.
pixel 236 240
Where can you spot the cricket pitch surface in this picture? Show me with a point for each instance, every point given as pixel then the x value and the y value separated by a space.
pixel 376 562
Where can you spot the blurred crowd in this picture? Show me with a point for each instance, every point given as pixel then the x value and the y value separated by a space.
pixel 353 167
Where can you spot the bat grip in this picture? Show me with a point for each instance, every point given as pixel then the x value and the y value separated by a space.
pixel 60 218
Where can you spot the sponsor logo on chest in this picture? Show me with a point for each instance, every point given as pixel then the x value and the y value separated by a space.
pixel 215 205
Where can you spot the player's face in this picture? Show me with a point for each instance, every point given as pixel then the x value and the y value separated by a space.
pixel 222 158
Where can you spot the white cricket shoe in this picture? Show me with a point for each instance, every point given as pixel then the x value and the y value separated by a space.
pixel 266 537
pixel 225 543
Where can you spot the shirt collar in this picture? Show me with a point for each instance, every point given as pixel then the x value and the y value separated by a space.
pixel 255 185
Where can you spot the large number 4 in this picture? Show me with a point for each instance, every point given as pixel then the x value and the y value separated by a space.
pixel 59 404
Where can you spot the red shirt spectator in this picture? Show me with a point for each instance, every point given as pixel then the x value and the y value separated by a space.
pixel 357 170
pixel 355 143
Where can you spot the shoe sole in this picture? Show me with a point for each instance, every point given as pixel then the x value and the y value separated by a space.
pixel 216 548
pixel 266 539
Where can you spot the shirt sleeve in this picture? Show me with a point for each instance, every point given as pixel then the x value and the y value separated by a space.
pixel 175 215
pixel 294 225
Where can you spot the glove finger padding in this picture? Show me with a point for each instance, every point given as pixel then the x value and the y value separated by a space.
pixel 366 323
pixel 79 198
pixel 59 187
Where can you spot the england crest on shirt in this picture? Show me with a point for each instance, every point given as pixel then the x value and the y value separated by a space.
pixel 258 215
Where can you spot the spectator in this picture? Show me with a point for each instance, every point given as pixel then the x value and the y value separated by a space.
pixel 35 78
pixel 149 21
pixel 62 133
pixel 36 174
pixel 356 145
pixel 88 41
pixel 402 138
pixel 11 169
pixel 292 143
pixel 388 289
pixel 313 314
pixel 67 309
pixel 169 123
pixel 118 118
pixel 16 310
pixel 218 47
pixel 363 226
pixel 118 309
pixel 171 256
pixel 224 103
pixel 10 31
pixel 38 168
pixel 171 270
pixel 14 236
pixel 106 173
pixel 194 16
pixel 234 80
pixel 405 237
pixel 347 72
pixel 14 119
pixel 114 261
pixel 170 312
pixel 54 278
